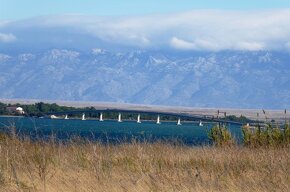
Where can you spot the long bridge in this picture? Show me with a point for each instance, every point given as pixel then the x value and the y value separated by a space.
pixel 158 114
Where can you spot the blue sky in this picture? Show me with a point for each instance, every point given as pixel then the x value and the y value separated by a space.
pixel 22 9
pixel 212 25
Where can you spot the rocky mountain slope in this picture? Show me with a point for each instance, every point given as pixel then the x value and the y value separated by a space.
pixel 242 79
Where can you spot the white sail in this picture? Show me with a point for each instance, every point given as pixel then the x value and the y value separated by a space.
pixel 138 119
pixel 83 117
pixel 119 117
pixel 178 121
pixel 101 117
pixel 200 123
pixel 158 120
pixel 66 117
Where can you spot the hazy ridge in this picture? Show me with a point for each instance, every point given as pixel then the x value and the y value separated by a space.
pixel 222 79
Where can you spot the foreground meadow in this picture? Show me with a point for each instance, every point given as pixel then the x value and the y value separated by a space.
pixel 85 166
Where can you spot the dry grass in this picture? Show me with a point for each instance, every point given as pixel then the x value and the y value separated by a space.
pixel 85 166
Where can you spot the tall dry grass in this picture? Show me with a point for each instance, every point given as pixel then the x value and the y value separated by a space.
pixel 85 166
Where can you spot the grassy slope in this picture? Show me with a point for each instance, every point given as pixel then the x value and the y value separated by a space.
pixel 30 166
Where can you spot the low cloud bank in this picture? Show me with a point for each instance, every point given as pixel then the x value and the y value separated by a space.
pixel 206 30
pixel 7 38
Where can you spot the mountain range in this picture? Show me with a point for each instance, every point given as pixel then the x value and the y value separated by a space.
pixel 235 79
pixel 205 58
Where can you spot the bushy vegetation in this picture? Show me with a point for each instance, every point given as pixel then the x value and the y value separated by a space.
pixel 266 136
pixel 37 109
pixel 40 109
pixel 3 109
pixel 221 136
pixel 255 136
pixel 241 119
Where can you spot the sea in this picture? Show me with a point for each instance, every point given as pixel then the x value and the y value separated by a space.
pixel 112 131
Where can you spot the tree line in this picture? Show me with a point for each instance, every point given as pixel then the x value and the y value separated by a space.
pixel 40 109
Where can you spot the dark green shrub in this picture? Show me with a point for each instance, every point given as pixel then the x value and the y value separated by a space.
pixel 220 136
pixel 267 136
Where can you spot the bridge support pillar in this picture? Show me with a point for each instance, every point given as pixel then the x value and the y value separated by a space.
pixel 119 118
pixel 158 120
pixel 138 119
pixel 178 121
pixel 83 117
pixel 101 117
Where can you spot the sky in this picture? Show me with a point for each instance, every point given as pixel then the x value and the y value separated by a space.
pixel 23 9
pixel 207 25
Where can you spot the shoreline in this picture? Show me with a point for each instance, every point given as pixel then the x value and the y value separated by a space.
pixel 249 113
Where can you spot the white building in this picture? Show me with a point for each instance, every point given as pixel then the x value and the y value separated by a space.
pixel 19 110
pixel 14 109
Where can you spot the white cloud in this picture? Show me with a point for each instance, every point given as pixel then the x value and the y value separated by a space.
pixel 181 44
pixel 207 45
pixel 3 22
pixel 7 38
pixel 212 30
pixel 250 46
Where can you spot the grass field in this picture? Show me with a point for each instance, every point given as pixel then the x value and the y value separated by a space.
pixel 86 166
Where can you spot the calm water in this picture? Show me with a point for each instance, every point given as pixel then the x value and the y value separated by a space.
pixel 112 131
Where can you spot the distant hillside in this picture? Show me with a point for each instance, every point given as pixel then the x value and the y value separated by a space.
pixel 198 79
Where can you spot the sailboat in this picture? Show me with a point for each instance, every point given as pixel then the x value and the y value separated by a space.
pixel 138 119
pixel 178 121
pixel 119 118
pixel 200 123
pixel 158 120
pixel 101 117
pixel 66 117
pixel 83 117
